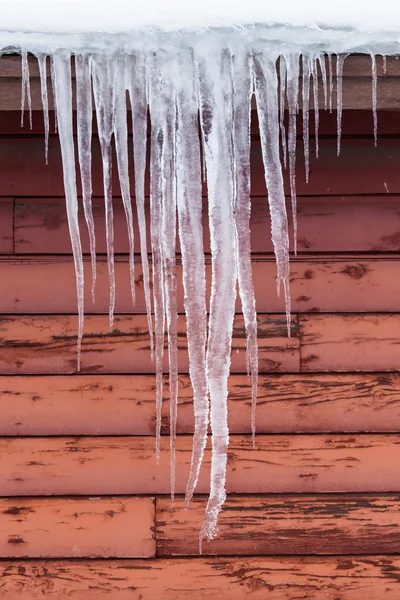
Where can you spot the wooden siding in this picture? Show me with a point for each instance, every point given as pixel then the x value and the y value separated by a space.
pixel 313 510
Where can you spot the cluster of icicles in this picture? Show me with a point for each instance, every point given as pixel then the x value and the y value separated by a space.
pixel 199 101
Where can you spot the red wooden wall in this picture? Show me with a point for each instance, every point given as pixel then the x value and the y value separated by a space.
pixel 313 511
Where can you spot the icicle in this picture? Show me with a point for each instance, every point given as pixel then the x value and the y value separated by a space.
pixel 384 66
pixel 314 71
pixel 216 115
pixel 330 71
pixel 306 63
pixel 339 74
pixel 156 192
pixel 120 126
pixel 242 94
pixel 54 100
pixel 63 99
pixel 322 66
pixel 267 108
pixel 104 101
pixel 137 94
pixel 26 87
pixel 189 203
pixel 374 101
pixel 292 70
pixel 282 91
pixel 84 126
pixel 42 58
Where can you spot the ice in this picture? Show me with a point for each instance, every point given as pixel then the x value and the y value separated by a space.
pixel 196 92
pixel 26 87
pixel 189 204
pixel 42 62
pixel 84 130
pixel 63 100
pixel 216 113
pixel 103 91
pixel 266 93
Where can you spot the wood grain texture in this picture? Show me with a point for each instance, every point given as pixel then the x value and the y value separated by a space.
pixel 84 527
pixel 251 525
pixel 47 344
pixel 6 225
pixel 127 465
pixel 125 404
pixel 360 169
pixel 325 224
pixel 37 285
pixel 286 578
pixel 368 342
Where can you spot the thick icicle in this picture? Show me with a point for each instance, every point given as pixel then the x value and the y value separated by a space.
pixel 282 92
pixel 84 127
pixel 242 94
pixel 306 64
pixel 63 100
pixel 163 123
pixel 103 89
pixel 189 203
pixel 156 192
pixel 119 69
pixel 339 75
pixel 26 87
pixel 374 99
pixel 266 91
pixel 137 84
pixel 42 62
pixel 292 91
pixel 215 80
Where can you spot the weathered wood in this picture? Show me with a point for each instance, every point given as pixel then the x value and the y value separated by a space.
pixel 280 524
pixel 47 344
pixel 325 224
pixel 85 527
pixel 360 169
pixel 127 465
pixel 367 342
pixel 6 225
pixel 125 405
pixel 286 578
pixel 37 285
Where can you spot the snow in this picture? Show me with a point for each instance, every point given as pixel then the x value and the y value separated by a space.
pixel 196 72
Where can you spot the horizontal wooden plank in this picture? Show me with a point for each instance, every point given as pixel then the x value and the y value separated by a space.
pixel 325 224
pixel 360 169
pixel 47 344
pixel 125 405
pixel 248 525
pixel 127 465
pixel 70 527
pixel 39 285
pixel 7 225
pixel 367 342
pixel 278 578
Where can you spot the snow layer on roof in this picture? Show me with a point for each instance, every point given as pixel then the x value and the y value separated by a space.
pixel 339 25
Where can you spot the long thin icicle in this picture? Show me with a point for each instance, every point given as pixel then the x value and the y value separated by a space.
pixel 84 129
pixel 266 91
pixel 292 75
pixel 314 72
pixel 242 93
pixel 339 87
pixel 26 87
pixel 374 98
pixel 189 203
pixel 216 115
pixel 63 99
pixel 282 92
pixel 137 86
pixel 306 64
pixel 103 89
pixel 120 126
pixel 42 62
